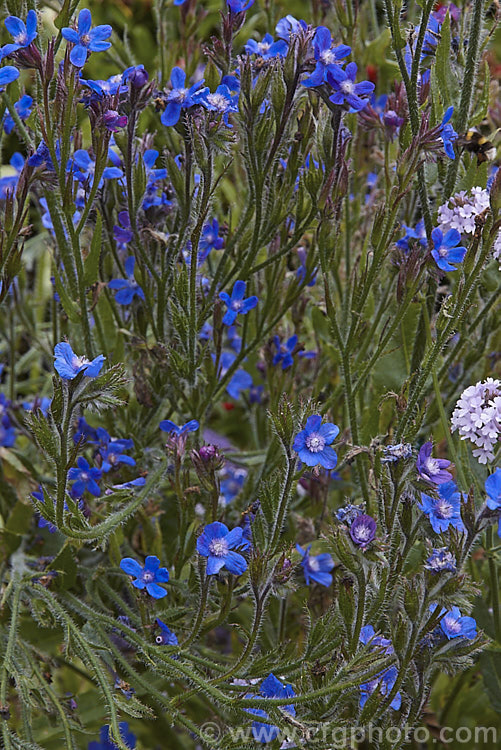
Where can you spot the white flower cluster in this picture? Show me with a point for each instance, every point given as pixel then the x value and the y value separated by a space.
pixel 477 416
pixel 460 211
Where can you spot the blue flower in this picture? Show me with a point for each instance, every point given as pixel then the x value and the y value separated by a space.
pixel 122 231
pixel 217 543
pixel 112 451
pixel 302 269
pixel 8 74
pixel 23 109
pixel 284 351
pixel 41 157
pixel 7 432
pixel 313 443
pixel 166 637
pixel 148 577
pixel 348 513
pixel 86 39
pixel 221 101
pixel 139 482
pixel 326 56
pixel 418 234
pixel 493 490
pixel 239 6
pixel 113 85
pixel 105 742
pixel 42 522
pixel 167 426
pixel 179 97
pixel 270 688
pixel 113 121
pixel 454 625
pixel 210 239
pixel 22 33
pixel 448 134
pixel 69 365
pixel 236 304
pixel 363 530
pixel 383 682
pixel 240 380
pixel 441 559
pixel 432 469
pixel 267 48
pixel 232 483
pixel 8 184
pixel 316 567
pixel 127 288
pixel 84 168
pixel 288 26
pixel 346 91
pixel 444 510
pixel 445 251
pixel 368 635
pixel 85 478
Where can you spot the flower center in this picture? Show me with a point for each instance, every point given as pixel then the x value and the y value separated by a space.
pixel 218 547
pixel 218 101
pixel 444 509
pixel 313 564
pixel 79 361
pixel 347 87
pixel 442 251
pixel 178 95
pixel 315 442
pixel 148 576
pixel 432 466
pixel 327 57
pixel 237 304
pixel 452 624
pixel 21 38
pixel 263 47
pixel 363 533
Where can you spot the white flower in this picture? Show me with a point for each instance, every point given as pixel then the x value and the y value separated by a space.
pixel 477 417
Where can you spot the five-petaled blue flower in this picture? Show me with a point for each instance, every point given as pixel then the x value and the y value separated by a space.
pixel 127 289
pixel 179 97
pixel 148 577
pixel 430 469
pixel 23 109
pixel 217 543
pixel 445 250
pixel 441 559
pixel 167 426
pixel 84 168
pixel 221 101
pixel 448 134
pixel 69 365
pixel 86 39
pixel 363 530
pixel 22 33
pixel 166 637
pixel 8 74
pixel 444 510
pixel 368 635
pixel 346 91
pixel 267 48
pixel 493 490
pixel 240 380
pixel 239 6
pixel 326 55
pixel 454 625
pixel 271 687
pixel 284 351
pixel 313 443
pixel 316 567
pixel 106 743
pixel 209 239
pixel 383 682
pixel 236 304
pixel 86 477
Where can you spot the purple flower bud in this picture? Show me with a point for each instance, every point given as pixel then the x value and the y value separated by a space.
pixel 138 76
pixel 113 121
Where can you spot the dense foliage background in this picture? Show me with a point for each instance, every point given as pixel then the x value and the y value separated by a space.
pixel 328 212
